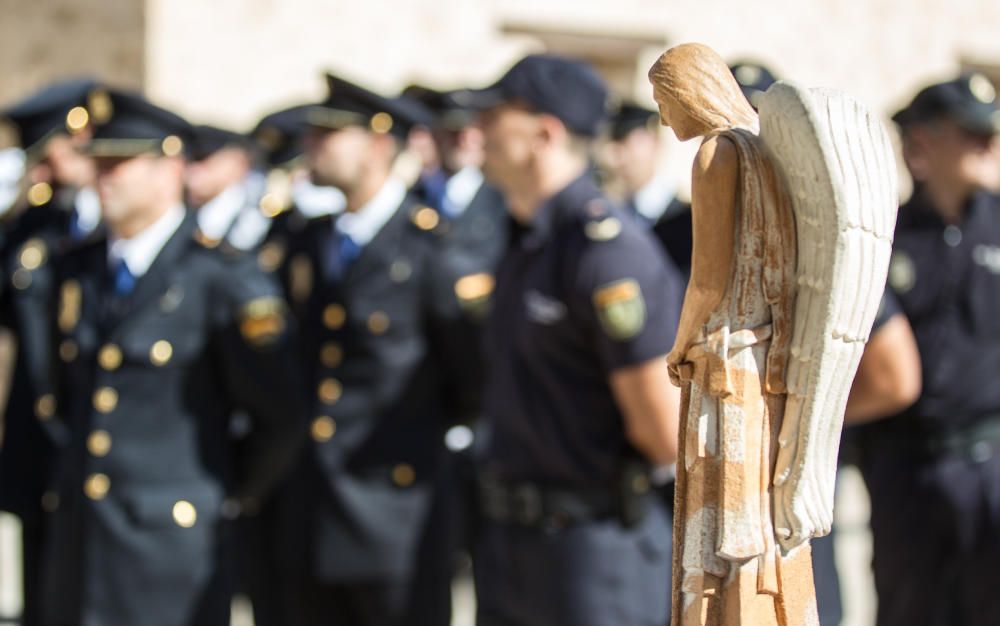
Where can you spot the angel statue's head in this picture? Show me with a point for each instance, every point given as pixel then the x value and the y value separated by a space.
pixel 697 93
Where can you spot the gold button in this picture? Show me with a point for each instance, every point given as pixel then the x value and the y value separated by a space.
pixel 45 407
pixel 403 475
pixel 323 429
pixel 185 514
pixel 77 119
pixel 160 353
pixel 329 390
pixel 331 354
pixel 68 351
pixel 50 501
pixel 474 286
pixel 334 316
pixel 99 443
pixel 97 486
pixel 39 194
pixel 172 146
pixel 110 357
pixel 105 399
pixel 378 322
pixel 33 254
pixel 426 218
pixel 381 123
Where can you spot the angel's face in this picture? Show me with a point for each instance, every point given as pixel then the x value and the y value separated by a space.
pixel 675 116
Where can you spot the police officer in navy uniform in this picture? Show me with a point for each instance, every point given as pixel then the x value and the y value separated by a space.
pixel 582 417
pixel 290 199
pixel 473 210
pixel 288 202
pixel 50 124
pixel 364 513
pixel 887 381
pixel 650 196
pixel 474 218
pixel 474 237
pixel 224 184
pixel 933 471
pixel 160 337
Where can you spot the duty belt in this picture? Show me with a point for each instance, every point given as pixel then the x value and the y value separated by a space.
pixel 553 508
pixel 923 439
pixel 977 441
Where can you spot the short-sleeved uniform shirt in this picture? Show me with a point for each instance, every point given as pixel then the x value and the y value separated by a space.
pixel 580 293
pixel 947 280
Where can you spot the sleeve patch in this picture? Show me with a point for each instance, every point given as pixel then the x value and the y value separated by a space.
pixel 262 321
pixel 620 308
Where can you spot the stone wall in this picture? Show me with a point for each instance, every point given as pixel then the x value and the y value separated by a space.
pixel 41 40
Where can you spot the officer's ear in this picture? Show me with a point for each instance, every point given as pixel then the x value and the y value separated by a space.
pixel 551 131
pixel 386 146
pixel 917 141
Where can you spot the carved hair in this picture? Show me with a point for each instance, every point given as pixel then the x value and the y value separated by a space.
pixel 700 81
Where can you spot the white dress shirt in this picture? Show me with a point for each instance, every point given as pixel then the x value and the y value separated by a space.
pixel 654 198
pixel 314 201
pixel 88 209
pixel 362 225
pixel 461 188
pixel 140 251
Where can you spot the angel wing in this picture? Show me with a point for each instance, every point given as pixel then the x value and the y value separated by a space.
pixel 838 167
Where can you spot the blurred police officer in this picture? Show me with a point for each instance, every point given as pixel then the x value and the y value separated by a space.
pixel 160 337
pixel 51 125
pixel 650 196
pixel 366 545
pixel 225 187
pixel 887 381
pixel 290 198
pixel 58 208
pixel 474 217
pixel 289 201
pixel 473 238
pixel 934 470
pixel 578 400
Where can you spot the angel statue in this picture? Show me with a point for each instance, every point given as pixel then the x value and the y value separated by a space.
pixel 793 213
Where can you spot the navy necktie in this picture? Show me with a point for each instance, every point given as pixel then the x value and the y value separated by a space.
pixel 122 279
pixel 76 231
pixel 436 188
pixel 342 254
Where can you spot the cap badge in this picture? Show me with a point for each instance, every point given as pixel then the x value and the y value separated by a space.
pixel 982 89
pixel 747 75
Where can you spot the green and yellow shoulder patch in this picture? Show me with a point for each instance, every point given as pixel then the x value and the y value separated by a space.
pixel 620 308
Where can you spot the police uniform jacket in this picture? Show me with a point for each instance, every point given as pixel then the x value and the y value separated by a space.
pixel 145 386
pixel 381 368
pixel 31 241
pixel 947 280
pixel 581 292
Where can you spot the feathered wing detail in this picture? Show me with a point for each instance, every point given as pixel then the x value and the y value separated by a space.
pixel 837 163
